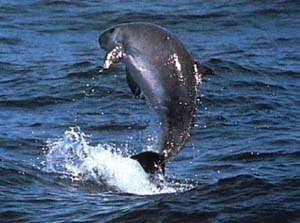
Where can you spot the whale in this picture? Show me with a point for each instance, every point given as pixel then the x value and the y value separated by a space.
pixel 158 65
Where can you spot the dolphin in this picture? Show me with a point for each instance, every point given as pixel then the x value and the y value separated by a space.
pixel 158 65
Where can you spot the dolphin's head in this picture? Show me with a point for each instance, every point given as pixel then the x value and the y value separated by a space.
pixel 110 38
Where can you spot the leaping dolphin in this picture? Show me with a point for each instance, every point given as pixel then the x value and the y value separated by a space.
pixel 158 65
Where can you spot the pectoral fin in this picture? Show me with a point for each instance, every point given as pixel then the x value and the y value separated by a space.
pixel 132 84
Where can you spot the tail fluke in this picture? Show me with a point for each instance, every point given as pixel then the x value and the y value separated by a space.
pixel 151 162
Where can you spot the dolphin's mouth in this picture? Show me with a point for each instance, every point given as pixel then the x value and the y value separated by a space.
pixel 113 56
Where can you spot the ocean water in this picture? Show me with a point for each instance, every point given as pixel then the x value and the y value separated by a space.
pixel 66 131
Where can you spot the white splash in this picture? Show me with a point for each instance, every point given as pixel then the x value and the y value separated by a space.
pixel 73 156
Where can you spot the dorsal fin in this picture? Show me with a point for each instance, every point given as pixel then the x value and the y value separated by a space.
pixel 132 84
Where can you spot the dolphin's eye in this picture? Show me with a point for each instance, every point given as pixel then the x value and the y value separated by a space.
pixel 112 30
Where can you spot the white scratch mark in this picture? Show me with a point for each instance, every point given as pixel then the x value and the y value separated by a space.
pixel 198 76
pixel 113 56
pixel 174 59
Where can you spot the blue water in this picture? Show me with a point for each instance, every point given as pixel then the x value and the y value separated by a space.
pixel 65 130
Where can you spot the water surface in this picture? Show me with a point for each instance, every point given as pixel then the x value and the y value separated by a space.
pixel 65 130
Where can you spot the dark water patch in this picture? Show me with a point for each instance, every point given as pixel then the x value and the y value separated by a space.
pixel 217 167
pixel 263 45
pixel 253 102
pixel 230 23
pixel 10 41
pixel 210 15
pixel 231 50
pixel 95 15
pixel 256 85
pixel 265 122
pixel 137 17
pixel 8 67
pixel 117 127
pixel 291 183
pixel 268 12
pixel 239 183
pixel 289 57
pixel 253 156
pixel 42 30
pixel 267 105
pixel 26 144
pixel 60 3
pixel 284 142
pixel 87 74
pixel 267 215
pixel 273 12
pixel 35 102
pixel 287 73
pixel 224 65
pixel 14 177
pixel 159 214
pixel 103 91
pixel 13 8
pixel 37 124
pixel 14 216
pixel 83 64
pixel 16 173
pixel 288 41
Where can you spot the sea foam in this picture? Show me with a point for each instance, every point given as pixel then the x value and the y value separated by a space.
pixel 74 157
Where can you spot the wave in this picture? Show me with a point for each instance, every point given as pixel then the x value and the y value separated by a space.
pixel 35 101
pixel 258 155
pixel 60 3
pixel 74 158
pixel 10 41
pixel 118 126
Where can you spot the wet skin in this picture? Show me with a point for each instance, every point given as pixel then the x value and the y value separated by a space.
pixel 158 65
